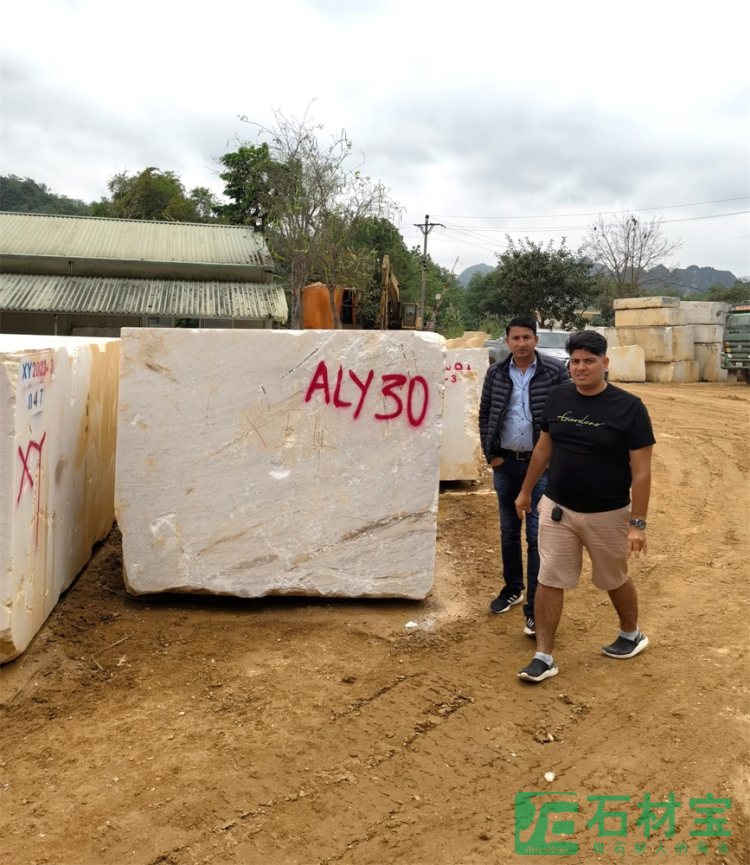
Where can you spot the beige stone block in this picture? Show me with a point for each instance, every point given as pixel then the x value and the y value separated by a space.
pixel 707 333
pixel 609 333
pixel 461 457
pixel 705 312
pixel 58 413
pixel 679 372
pixel 708 358
pixel 656 316
pixel 645 302
pixel 469 339
pixel 627 363
pixel 263 462
pixel 661 344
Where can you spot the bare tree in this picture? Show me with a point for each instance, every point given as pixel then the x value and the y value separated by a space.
pixel 320 193
pixel 627 248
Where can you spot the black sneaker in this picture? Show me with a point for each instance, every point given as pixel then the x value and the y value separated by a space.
pixel 624 648
pixel 529 628
pixel 505 600
pixel 538 671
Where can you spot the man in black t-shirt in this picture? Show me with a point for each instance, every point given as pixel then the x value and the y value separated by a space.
pixel 597 440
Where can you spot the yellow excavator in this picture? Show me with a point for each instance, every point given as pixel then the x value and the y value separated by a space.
pixel 393 314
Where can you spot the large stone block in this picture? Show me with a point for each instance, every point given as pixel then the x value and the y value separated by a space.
pixel 627 363
pixel 708 332
pixel 661 344
pixel 609 333
pixel 705 312
pixel 461 457
pixel 708 358
pixel 256 463
pixel 645 302
pixel 680 372
pixel 656 316
pixel 58 421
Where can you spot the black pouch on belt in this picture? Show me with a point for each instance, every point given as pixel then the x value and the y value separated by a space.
pixel 556 513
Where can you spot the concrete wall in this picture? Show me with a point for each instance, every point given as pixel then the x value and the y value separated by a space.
pixel 461 456
pixel 279 462
pixel 58 409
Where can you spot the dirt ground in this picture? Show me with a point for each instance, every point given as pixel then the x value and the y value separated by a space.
pixel 183 730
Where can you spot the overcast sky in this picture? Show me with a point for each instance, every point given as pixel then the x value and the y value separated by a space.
pixel 491 117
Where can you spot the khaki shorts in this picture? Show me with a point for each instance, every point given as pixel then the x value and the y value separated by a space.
pixel 603 534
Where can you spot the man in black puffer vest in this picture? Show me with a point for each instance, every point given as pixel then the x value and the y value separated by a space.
pixel 510 411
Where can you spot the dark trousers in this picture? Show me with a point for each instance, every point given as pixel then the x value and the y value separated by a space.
pixel 508 479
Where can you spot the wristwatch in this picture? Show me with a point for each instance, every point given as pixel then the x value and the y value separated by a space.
pixel 639 524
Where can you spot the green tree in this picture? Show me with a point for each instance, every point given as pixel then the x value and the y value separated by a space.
pixel 308 195
pixel 626 248
pixel 155 194
pixel 738 293
pixel 552 284
pixel 24 195
pixel 252 182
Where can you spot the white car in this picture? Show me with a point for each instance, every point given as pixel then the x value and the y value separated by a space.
pixel 551 343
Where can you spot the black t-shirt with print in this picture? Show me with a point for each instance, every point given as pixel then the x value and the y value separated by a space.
pixel 591 439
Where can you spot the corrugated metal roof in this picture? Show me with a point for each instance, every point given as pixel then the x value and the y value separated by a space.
pixel 191 299
pixel 90 237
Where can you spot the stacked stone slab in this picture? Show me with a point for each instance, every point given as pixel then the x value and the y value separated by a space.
pixel 256 463
pixel 58 419
pixel 707 320
pixel 461 456
pixel 660 327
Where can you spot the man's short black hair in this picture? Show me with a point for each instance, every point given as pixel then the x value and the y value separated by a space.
pixel 589 340
pixel 521 321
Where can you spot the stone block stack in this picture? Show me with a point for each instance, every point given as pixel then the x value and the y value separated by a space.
pixel 58 422
pixel 461 457
pixel 259 462
pixel 661 328
pixel 707 320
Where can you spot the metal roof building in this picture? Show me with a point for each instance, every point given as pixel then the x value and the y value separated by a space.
pixel 73 274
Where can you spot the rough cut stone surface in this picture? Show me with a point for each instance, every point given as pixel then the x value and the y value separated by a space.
pixel 661 344
pixel 627 363
pixel 704 311
pixel 58 419
pixel 656 316
pixel 469 339
pixel 256 462
pixel 708 358
pixel 644 302
pixel 708 332
pixel 681 372
pixel 461 457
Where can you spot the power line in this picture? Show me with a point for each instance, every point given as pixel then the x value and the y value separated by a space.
pixel 598 212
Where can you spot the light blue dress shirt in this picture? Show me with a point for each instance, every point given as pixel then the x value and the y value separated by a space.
pixel 516 432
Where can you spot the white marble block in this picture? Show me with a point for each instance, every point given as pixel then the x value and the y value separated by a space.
pixel 58 421
pixel 461 457
pixel 708 332
pixel 656 316
pixel 708 358
pixel 645 302
pixel 257 463
pixel 661 344
pixel 627 363
pixel 680 372
pixel 705 312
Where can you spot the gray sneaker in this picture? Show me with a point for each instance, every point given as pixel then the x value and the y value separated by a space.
pixel 624 648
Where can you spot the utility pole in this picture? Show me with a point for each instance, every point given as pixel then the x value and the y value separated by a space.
pixel 425 228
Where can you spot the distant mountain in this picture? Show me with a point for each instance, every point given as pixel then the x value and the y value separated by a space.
pixel 686 280
pixel 22 194
pixel 465 276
